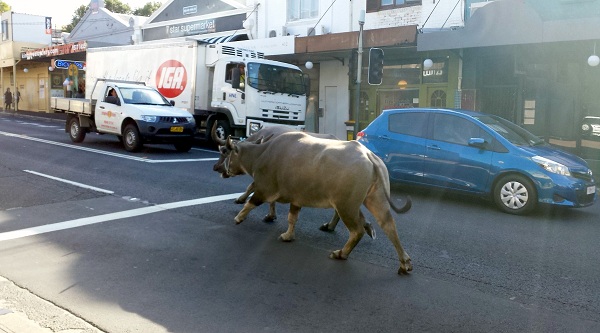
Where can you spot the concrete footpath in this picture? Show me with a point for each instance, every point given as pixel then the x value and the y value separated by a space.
pixel 23 312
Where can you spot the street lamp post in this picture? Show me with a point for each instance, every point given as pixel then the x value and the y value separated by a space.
pixel 361 22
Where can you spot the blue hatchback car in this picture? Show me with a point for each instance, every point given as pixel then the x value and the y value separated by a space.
pixel 480 154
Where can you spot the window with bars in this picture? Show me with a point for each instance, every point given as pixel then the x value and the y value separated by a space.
pixel 377 5
pixel 302 9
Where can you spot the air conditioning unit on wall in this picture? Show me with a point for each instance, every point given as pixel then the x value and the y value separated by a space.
pixel 272 33
pixel 310 31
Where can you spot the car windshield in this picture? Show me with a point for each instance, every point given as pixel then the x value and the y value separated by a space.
pixel 510 131
pixel 276 79
pixel 143 96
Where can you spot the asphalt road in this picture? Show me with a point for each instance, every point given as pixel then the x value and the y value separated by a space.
pixel 146 242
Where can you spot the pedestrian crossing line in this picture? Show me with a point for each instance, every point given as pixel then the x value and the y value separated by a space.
pixel 42 229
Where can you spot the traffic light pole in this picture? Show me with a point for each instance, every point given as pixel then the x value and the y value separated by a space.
pixel 361 22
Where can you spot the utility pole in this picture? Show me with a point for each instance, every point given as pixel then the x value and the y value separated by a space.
pixel 361 22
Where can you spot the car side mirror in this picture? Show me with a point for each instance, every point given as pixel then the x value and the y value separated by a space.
pixel 172 102
pixel 477 142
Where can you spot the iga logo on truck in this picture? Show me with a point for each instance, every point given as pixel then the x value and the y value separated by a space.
pixel 171 78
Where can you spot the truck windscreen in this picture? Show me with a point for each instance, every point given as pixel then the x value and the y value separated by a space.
pixel 276 79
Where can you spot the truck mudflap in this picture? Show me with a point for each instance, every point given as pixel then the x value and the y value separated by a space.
pixel 254 125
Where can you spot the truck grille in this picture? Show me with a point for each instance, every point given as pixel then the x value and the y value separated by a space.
pixel 173 120
pixel 283 115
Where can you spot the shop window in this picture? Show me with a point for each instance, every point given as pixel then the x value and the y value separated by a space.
pixel 377 5
pixel 438 99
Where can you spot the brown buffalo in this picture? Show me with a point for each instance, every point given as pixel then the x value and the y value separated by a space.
pixel 305 171
pixel 271 132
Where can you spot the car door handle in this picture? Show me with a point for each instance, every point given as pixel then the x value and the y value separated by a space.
pixel 434 147
pixel 102 107
pixel 384 137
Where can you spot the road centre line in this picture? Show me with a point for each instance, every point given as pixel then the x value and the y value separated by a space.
pixel 97 151
pixel 70 182
pixel 16 234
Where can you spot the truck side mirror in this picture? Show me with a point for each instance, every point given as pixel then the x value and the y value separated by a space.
pixel 235 78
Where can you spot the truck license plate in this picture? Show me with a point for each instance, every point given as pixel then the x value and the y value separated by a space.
pixel 591 189
pixel 177 129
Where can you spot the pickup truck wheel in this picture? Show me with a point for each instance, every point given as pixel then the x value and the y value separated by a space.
pixel 76 133
pixel 183 147
pixel 131 138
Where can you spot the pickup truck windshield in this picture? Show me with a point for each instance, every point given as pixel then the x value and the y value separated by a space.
pixel 276 79
pixel 142 96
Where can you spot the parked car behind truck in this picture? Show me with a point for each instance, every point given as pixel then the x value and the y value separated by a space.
pixel 137 114
pixel 481 154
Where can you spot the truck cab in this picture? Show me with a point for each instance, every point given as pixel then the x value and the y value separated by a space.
pixel 254 93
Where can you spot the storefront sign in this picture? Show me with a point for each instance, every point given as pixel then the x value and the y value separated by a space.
pixel 200 27
pixel 55 51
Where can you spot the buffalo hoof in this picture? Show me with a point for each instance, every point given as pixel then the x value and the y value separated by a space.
pixel 285 238
pixel 337 254
pixel 370 231
pixel 405 267
pixel 239 202
pixel 325 227
pixel 238 221
pixel 269 219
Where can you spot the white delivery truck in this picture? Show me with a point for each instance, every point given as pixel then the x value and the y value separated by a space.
pixel 206 80
pixel 132 111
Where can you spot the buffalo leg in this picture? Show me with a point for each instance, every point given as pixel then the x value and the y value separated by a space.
pixel 288 236
pixel 386 222
pixel 272 216
pixel 354 222
pixel 242 198
pixel 248 206
pixel 330 226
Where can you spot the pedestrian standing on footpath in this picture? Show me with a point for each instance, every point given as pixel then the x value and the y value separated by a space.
pixel 7 99
pixel 17 98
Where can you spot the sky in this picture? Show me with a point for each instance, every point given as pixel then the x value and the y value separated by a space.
pixel 61 11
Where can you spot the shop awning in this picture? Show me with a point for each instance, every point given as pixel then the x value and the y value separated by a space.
pixel 223 39
pixel 509 22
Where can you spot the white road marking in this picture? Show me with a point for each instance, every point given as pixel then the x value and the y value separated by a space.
pixel 133 158
pixel 70 182
pixel 15 234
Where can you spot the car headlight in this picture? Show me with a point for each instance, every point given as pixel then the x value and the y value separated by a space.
pixel 190 120
pixel 150 119
pixel 551 166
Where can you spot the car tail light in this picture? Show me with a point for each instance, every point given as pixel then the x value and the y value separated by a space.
pixel 360 135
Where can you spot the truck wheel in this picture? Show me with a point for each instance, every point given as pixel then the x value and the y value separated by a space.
pixel 131 138
pixel 223 130
pixel 76 133
pixel 515 194
pixel 183 147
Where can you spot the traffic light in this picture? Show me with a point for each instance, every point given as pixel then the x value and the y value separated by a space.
pixel 375 65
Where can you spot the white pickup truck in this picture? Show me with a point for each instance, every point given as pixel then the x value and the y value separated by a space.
pixel 134 112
